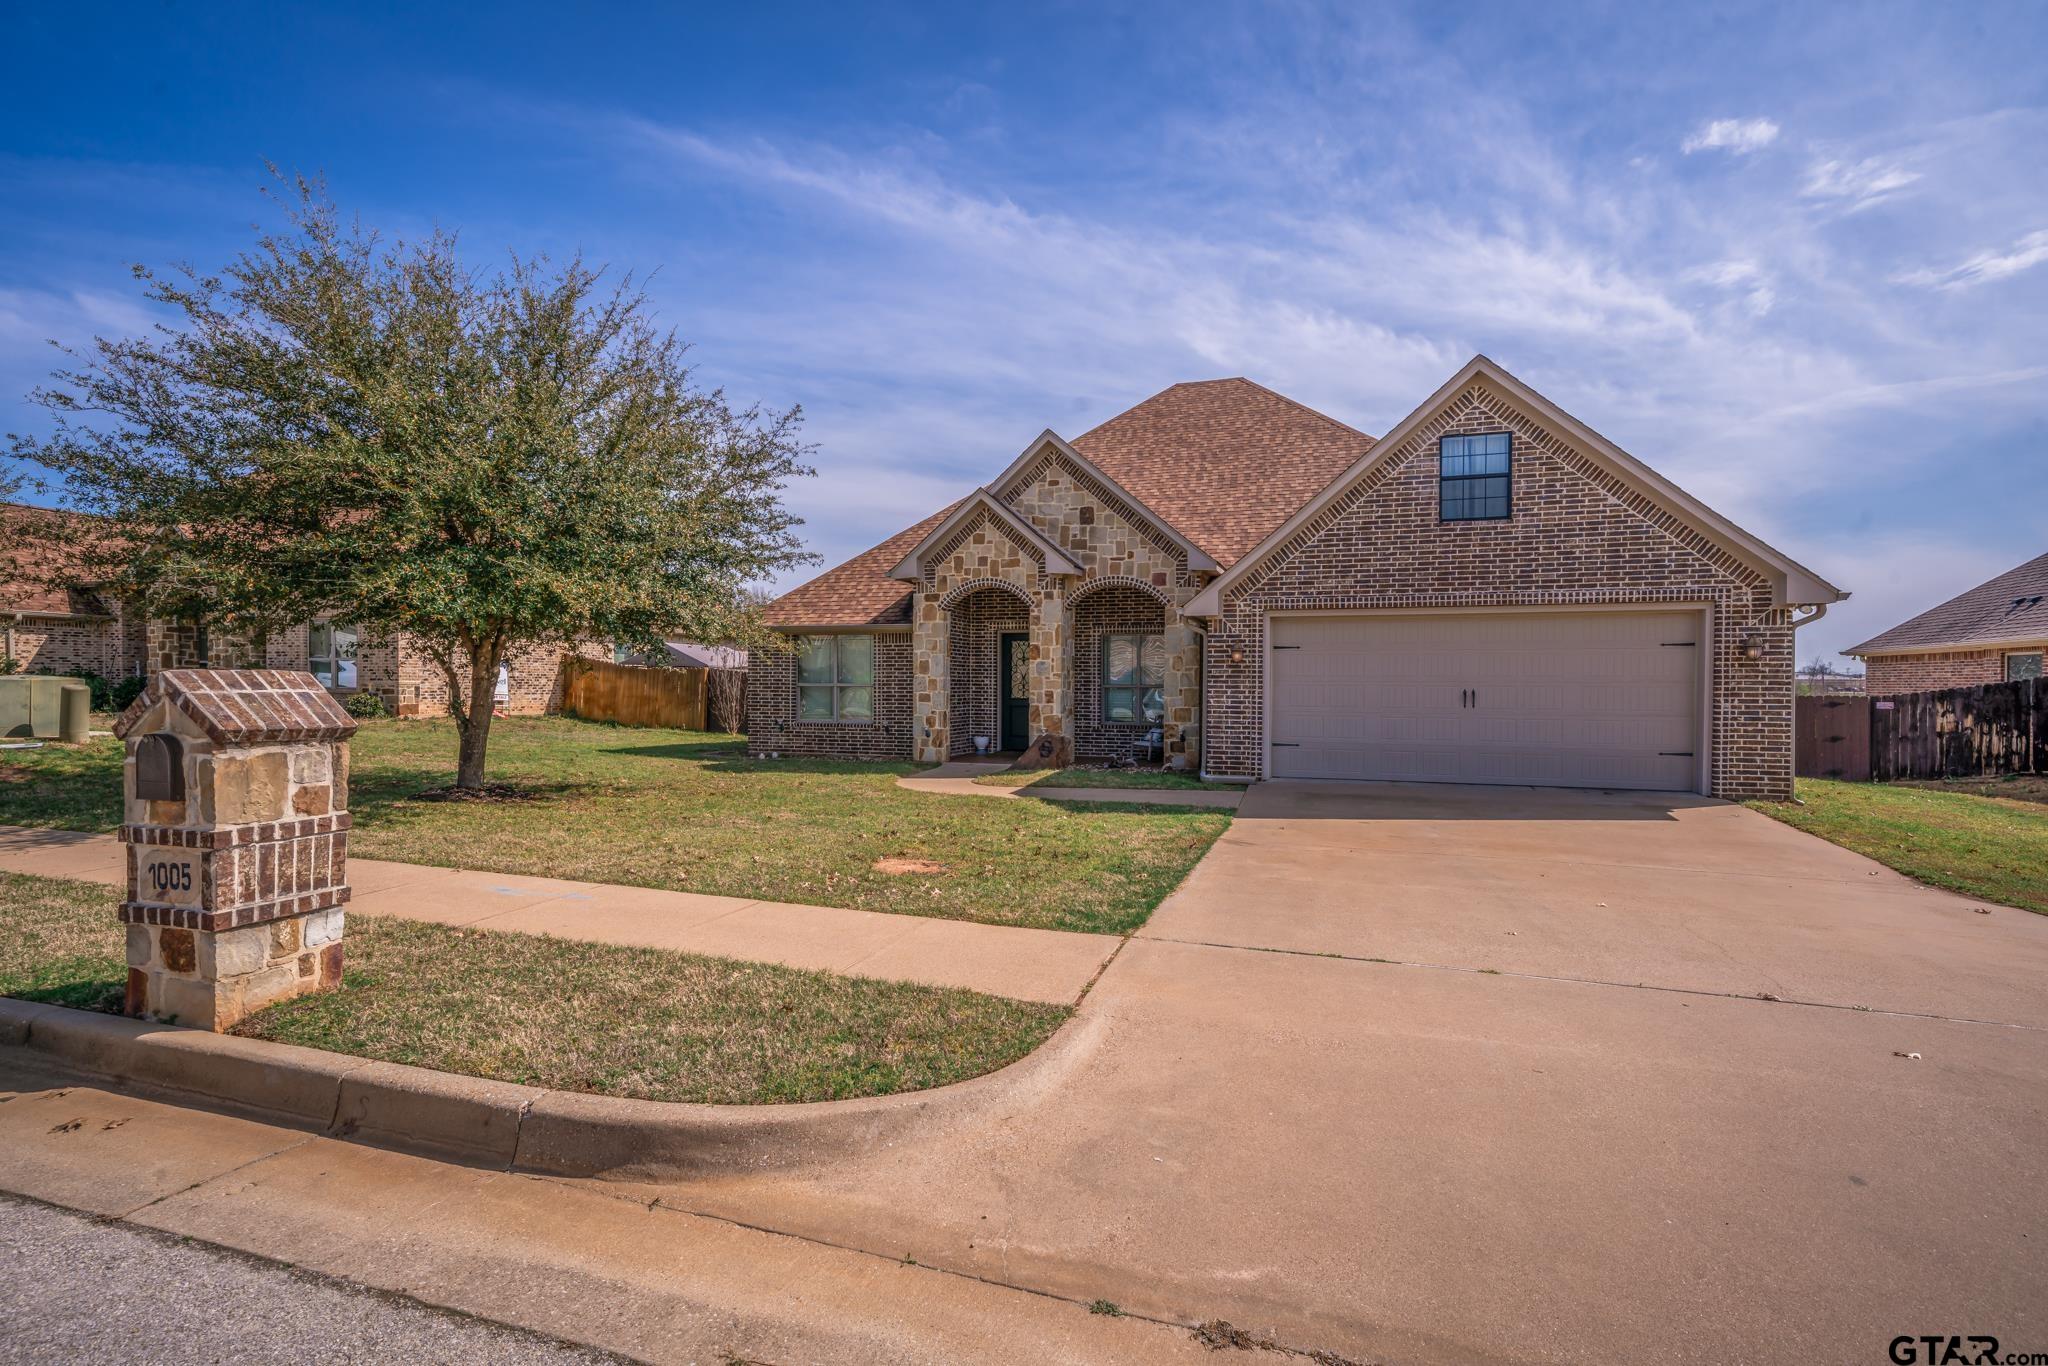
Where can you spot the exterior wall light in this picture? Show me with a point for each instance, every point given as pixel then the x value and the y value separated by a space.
pixel 1752 646
pixel 1237 654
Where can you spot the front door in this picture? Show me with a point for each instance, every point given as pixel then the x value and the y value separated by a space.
pixel 1014 667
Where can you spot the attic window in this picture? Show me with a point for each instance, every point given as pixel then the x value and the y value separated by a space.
pixel 1473 482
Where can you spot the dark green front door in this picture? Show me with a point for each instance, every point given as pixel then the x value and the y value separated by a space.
pixel 1015 670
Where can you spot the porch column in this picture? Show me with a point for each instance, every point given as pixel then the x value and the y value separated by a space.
pixel 932 707
pixel 1052 667
pixel 1181 686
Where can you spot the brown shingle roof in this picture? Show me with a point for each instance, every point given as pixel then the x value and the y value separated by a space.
pixel 2013 606
pixel 859 592
pixel 32 559
pixel 1222 461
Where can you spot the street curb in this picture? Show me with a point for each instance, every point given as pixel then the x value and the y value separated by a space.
pixel 525 1128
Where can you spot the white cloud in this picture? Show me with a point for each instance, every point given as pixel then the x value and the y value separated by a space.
pixel 1741 136
pixel 1859 184
pixel 1746 278
pixel 1985 266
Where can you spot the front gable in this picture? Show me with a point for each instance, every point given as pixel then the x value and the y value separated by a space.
pixel 1574 525
pixel 1609 504
pixel 1072 502
pixel 1098 528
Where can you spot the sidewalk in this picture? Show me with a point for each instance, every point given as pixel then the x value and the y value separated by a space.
pixel 1024 964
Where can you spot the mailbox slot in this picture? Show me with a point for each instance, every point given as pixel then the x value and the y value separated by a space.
pixel 160 769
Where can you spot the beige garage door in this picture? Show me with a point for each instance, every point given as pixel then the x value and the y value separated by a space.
pixel 1592 699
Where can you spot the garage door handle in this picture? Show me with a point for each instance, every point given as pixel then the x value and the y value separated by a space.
pixel 1674 754
pixel 1286 744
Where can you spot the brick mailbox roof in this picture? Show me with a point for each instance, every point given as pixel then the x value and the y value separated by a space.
pixel 245 706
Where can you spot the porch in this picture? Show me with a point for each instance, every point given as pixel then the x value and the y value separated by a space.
pixel 1093 671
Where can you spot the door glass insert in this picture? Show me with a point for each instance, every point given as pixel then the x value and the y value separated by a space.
pixel 1020 654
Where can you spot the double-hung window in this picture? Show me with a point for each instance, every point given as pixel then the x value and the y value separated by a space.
pixel 835 679
pixel 1133 678
pixel 1472 477
pixel 331 654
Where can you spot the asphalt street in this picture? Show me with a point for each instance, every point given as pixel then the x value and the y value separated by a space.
pixel 75 1288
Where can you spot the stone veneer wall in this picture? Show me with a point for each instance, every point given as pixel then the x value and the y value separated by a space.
pixel 773 728
pixel 1111 609
pixel 979 621
pixel 1889 674
pixel 982 554
pixel 1114 543
pixel 1577 537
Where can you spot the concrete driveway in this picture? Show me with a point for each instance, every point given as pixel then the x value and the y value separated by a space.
pixel 1436 1074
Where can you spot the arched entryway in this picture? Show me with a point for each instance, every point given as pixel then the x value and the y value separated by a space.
pixel 988 667
pixel 1120 666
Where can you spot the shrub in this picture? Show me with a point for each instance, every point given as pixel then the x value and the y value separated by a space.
pixel 364 705
pixel 125 691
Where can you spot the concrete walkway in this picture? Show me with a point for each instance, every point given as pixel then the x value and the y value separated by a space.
pixel 957 779
pixel 1024 964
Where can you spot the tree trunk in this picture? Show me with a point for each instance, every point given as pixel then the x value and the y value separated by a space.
pixel 475 726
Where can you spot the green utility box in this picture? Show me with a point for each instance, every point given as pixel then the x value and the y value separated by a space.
pixel 43 707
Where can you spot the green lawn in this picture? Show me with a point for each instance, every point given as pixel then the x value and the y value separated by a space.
pixel 643 1023
pixel 1988 847
pixel 1081 776
pixel 689 811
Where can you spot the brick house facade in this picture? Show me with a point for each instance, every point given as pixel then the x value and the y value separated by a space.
pixel 1993 632
pixel 73 631
pixel 1196 520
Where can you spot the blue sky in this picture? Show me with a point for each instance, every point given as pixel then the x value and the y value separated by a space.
pixel 1795 257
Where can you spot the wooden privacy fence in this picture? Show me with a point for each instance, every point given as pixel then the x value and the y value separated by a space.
pixel 1991 729
pixel 633 695
pixel 1831 738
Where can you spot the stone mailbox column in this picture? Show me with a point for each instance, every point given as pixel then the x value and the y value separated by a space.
pixel 237 835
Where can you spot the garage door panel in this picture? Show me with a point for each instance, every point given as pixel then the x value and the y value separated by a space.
pixel 1594 699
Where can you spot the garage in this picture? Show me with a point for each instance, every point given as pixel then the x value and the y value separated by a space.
pixel 1554 699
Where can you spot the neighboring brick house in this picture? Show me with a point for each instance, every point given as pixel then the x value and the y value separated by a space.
pixel 1996 631
pixel 73 630
pixel 45 629
pixel 1490 593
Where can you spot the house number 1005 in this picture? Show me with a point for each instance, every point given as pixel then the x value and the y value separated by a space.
pixel 170 877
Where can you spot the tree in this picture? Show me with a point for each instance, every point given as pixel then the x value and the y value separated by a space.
pixel 340 425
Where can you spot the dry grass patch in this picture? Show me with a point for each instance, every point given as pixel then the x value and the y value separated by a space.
pixel 901 867
pixel 643 1023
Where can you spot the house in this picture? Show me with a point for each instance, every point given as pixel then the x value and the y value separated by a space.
pixel 1491 593
pixel 690 654
pixel 74 630
pixel 48 629
pixel 1996 631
